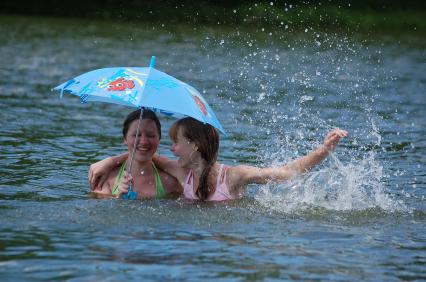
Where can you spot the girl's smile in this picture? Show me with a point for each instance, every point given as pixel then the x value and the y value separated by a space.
pixel 147 139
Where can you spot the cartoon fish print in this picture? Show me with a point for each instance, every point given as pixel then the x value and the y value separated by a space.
pixel 120 84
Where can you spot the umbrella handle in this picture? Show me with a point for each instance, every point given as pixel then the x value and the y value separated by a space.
pixel 130 195
pixel 152 63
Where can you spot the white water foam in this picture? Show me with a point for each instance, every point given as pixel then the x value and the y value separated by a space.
pixel 355 186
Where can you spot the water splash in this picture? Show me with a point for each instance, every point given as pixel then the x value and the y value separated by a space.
pixel 283 90
pixel 355 186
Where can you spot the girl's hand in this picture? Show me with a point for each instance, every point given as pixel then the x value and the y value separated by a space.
pixel 333 138
pixel 98 172
pixel 123 188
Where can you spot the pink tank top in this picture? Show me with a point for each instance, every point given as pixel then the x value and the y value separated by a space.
pixel 220 194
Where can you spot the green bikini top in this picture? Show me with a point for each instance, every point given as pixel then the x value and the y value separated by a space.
pixel 160 192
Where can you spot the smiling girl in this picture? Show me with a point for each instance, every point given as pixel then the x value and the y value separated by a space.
pixel 147 180
pixel 203 178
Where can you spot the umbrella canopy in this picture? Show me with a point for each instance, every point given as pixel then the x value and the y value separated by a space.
pixel 142 87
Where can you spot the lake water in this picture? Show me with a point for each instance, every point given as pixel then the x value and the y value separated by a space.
pixel 359 216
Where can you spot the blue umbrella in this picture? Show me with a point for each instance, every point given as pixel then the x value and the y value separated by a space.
pixel 141 87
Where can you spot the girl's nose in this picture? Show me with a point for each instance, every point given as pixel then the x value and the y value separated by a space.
pixel 141 140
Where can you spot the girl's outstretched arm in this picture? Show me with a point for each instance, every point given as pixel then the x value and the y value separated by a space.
pixel 243 175
pixel 305 163
pixel 99 171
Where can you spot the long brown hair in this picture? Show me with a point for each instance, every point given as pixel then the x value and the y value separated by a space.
pixel 206 138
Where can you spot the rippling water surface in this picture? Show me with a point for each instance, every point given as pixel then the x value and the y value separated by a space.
pixel 358 216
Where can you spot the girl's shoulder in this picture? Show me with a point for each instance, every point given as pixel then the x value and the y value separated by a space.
pixel 112 175
pixel 231 173
pixel 170 183
pixel 234 180
pixel 110 180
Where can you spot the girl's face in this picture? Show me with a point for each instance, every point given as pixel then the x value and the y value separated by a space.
pixel 147 141
pixel 184 150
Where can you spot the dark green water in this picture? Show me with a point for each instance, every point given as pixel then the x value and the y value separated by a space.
pixel 360 216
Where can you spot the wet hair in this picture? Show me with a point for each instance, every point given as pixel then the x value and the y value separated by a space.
pixel 135 115
pixel 206 138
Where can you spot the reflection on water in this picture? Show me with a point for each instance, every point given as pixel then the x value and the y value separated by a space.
pixel 358 216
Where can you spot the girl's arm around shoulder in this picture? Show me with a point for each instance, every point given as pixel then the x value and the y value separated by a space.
pixel 171 167
pixel 104 191
pixel 99 171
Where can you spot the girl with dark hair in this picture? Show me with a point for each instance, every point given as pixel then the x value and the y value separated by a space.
pixel 203 178
pixel 147 180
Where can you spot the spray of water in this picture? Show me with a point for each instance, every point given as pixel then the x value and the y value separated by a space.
pixel 291 87
pixel 353 186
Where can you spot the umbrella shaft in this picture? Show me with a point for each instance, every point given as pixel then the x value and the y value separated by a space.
pixel 135 144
